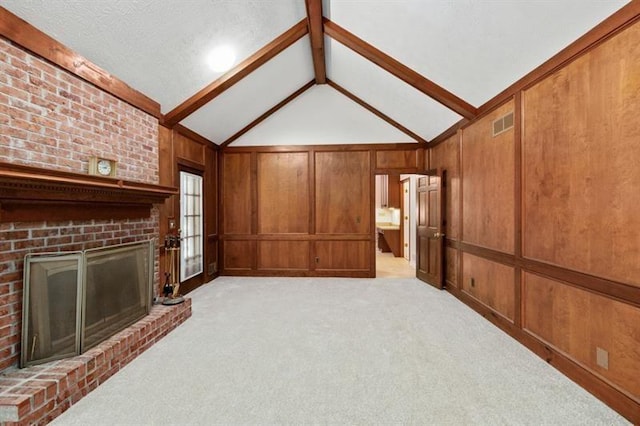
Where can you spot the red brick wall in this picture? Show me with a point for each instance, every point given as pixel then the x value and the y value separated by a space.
pixel 51 119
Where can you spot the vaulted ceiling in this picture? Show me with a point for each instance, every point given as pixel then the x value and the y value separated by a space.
pixel 395 70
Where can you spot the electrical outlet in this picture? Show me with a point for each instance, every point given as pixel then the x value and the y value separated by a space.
pixel 602 358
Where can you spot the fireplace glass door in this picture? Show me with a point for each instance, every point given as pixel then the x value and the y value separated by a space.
pixel 53 285
pixel 73 301
pixel 117 290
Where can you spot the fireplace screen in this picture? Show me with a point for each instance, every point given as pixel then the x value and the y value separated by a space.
pixel 73 301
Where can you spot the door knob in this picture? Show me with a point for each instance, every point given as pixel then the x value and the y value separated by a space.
pixel 438 235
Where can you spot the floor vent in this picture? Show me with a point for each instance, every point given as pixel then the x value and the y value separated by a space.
pixel 503 124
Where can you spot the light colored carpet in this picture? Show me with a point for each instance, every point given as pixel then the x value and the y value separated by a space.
pixel 336 351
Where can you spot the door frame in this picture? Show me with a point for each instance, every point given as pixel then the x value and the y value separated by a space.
pixel 405 209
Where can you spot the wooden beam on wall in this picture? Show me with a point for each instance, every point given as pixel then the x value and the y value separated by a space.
pixel 236 74
pixel 376 112
pixel 442 137
pixel 614 23
pixel 316 34
pixel 399 70
pixel 264 116
pixel 197 137
pixel 32 39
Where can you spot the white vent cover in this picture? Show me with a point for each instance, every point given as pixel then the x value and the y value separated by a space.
pixel 503 124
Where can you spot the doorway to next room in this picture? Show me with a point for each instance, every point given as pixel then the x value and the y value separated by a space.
pixel 395 207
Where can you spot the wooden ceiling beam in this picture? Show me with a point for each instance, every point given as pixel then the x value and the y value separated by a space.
pixel 32 39
pixel 264 116
pixel 373 110
pixel 399 70
pixel 316 34
pixel 236 74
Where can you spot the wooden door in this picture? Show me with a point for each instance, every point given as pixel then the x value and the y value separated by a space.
pixel 430 239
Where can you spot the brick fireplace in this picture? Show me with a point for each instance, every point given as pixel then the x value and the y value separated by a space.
pixel 54 121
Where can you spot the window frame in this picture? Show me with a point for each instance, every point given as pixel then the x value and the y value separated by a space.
pixel 199 195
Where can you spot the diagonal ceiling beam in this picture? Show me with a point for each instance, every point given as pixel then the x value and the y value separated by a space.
pixel 376 112
pixel 316 34
pixel 400 70
pixel 264 116
pixel 236 74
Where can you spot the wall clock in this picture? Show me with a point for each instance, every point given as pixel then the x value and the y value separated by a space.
pixel 102 167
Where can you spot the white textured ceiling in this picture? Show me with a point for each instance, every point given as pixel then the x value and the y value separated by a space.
pixel 473 48
pixel 321 116
pixel 159 47
pixel 251 97
pixel 388 94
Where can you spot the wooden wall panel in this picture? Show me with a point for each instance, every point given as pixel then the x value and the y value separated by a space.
pixel 283 255
pixel 166 173
pixel 488 180
pixel 553 203
pixel 299 203
pixel 397 159
pixel 343 255
pixel 343 192
pixel 493 283
pixel 451 266
pixel 283 193
pixel 577 322
pixel 165 156
pixel 175 152
pixel 239 255
pixel 445 156
pixel 581 174
pixel 236 193
pixel 211 212
pixel 187 149
pixel 211 191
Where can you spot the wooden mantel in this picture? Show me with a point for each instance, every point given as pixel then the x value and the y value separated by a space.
pixel 30 194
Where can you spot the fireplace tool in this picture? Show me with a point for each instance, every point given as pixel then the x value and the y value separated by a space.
pixel 172 268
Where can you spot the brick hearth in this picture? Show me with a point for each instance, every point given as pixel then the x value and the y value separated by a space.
pixel 38 394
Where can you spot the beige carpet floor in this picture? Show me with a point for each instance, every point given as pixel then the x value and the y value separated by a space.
pixel 336 351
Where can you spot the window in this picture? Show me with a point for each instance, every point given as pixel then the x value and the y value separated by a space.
pixel 190 225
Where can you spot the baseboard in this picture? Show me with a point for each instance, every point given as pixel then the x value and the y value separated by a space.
pixel 602 390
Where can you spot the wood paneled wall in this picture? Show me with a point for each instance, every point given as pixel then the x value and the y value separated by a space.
pixel 489 282
pixel 285 190
pixel 487 182
pixel 583 191
pixel 304 211
pixel 547 238
pixel 179 152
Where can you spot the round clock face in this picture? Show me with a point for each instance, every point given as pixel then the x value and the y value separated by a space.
pixel 104 167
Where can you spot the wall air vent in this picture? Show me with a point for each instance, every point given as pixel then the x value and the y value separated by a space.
pixel 503 124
